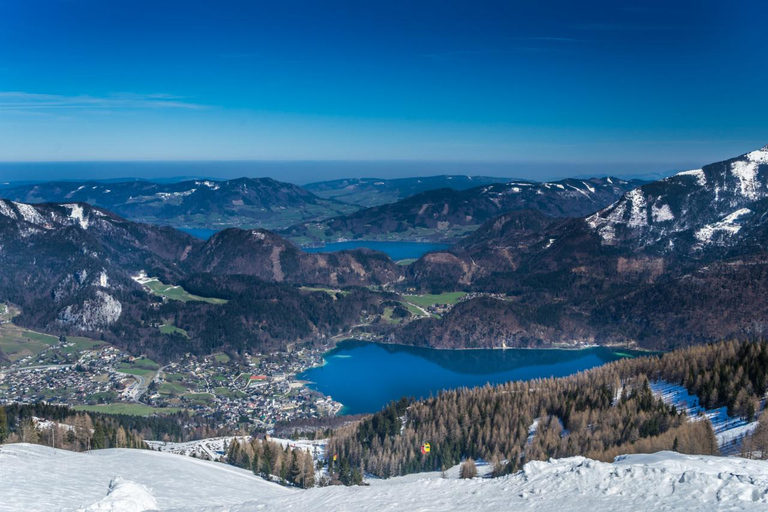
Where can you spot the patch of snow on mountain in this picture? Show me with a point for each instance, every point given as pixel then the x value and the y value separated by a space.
pixel 759 157
pixel 532 429
pixel 168 195
pixel 578 190
pixel 661 213
pixel 746 173
pixel 727 428
pixel 638 209
pixel 29 214
pixel 727 225
pixel 76 213
pixel 6 210
pixel 701 179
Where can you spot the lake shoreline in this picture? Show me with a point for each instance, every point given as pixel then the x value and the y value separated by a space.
pixel 388 371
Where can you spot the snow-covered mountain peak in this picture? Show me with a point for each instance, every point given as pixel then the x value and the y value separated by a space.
pixel 695 205
pixel 760 156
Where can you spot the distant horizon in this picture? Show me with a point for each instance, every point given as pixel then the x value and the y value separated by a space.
pixel 302 172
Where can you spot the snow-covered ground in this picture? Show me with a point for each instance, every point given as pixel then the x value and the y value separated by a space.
pixel 729 430
pixel 40 478
pixel 215 448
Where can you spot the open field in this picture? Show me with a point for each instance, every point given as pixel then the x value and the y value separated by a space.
pixel 414 310
pixel 222 358
pixel 172 388
pixel 125 408
pixel 173 292
pixel 333 293
pixel 17 343
pixel 172 329
pixel 198 398
pixel 81 343
pixel 141 367
pixel 430 299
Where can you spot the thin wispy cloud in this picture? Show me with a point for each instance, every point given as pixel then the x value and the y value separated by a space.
pixel 550 38
pixel 19 100
pixel 440 56
pixel 622 27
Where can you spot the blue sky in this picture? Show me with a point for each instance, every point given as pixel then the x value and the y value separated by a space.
pixel 589 85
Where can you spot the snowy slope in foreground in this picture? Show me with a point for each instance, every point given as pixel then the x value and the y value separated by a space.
pixel 39 478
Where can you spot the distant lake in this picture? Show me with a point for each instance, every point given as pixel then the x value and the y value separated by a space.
pixel 366 376
pixel 395 250
pixel 204 234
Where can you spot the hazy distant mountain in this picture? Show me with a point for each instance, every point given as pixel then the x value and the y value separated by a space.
pixel 247 202
pixel 368 192
pixel 446 215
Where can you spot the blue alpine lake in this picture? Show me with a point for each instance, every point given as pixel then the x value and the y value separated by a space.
pixel 365 376
pixel 395 250
pixel 204 234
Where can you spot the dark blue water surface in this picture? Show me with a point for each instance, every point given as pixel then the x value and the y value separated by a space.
pixel 205 234
pixel 366 376
pixel 395 250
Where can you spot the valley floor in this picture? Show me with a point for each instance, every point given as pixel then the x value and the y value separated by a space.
pixel 40 478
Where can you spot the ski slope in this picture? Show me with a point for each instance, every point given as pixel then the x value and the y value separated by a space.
pixel 39 478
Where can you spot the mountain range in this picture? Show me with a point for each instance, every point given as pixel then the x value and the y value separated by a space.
pixel 446 215
pixel 70 268
pixel 201 204
pixel 367 192
pixel 670 263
